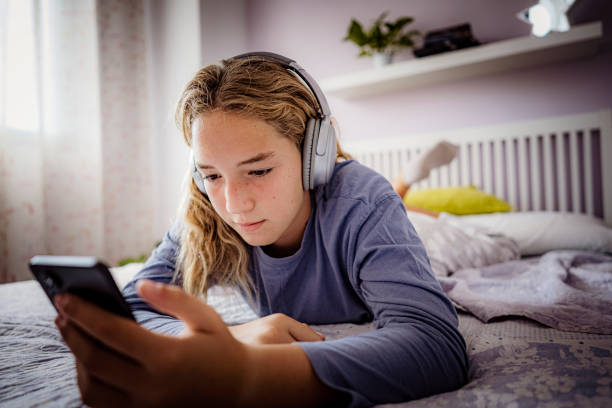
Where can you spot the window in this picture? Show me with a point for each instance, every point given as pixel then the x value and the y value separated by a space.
pixel 19 85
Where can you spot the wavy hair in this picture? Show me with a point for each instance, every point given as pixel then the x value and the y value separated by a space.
pixel 211 252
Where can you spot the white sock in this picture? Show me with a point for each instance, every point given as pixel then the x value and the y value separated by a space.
pixel 438 155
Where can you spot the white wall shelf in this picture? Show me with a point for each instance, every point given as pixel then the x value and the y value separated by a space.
pixel 523 52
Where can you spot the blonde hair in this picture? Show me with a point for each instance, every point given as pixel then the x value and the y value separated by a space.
pixel 211 252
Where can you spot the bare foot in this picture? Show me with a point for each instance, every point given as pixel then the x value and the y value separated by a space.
pixel 399 186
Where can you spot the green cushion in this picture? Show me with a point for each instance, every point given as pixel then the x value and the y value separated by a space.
pixel 456 200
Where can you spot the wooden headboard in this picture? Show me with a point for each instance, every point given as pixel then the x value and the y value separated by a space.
pixel 556 164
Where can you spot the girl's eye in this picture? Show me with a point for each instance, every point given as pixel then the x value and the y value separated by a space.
pixel 260 173
pixel 210 177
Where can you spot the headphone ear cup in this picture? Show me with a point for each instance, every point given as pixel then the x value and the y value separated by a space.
pixel 323 154
pixel 310 141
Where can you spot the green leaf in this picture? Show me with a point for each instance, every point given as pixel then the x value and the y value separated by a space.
pixel 405 41
pixel 378 42
pixel 402 21
pixel 393 31
pixel 356 34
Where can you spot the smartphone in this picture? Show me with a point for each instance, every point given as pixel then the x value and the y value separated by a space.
pixel 83 276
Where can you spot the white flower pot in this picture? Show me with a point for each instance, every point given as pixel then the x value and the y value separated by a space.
pixel 380 59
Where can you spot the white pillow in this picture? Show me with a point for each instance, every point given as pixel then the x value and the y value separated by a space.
pixel 538 232
pixel 124 274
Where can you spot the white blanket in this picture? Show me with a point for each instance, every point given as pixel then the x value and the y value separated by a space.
pixel 453 245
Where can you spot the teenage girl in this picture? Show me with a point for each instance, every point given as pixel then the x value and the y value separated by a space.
pixel 275 208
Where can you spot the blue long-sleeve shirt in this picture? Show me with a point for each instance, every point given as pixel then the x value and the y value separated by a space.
pixel 360 260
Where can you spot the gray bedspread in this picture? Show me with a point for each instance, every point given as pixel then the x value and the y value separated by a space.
pixel 513 361
pixel 567 290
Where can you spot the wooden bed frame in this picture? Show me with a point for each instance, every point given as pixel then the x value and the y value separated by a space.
pixel 554 164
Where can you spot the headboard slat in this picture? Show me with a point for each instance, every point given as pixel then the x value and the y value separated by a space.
pixel 588 173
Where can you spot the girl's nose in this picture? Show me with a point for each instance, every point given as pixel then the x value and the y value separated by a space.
pixel 237 198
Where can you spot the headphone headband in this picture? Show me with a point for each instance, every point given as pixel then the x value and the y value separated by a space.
pixel 319 144
pixel 288 63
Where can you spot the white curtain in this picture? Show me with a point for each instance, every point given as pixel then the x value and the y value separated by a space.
pixel 75 145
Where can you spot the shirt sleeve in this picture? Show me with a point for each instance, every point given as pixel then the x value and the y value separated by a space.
pixel 160 267
pixel 417 349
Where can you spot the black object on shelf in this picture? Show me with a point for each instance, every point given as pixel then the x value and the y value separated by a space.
pixel 447 39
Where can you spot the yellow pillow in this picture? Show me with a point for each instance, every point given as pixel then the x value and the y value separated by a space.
pixel 456 200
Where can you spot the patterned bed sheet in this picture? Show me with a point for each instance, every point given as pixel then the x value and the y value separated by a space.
pixel 513 361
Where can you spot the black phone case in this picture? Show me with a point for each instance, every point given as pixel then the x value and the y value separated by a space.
pixel 82 276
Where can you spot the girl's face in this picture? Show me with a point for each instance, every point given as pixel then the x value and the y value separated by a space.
pixel 253 178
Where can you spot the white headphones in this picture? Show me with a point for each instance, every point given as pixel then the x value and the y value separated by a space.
pixel 319 146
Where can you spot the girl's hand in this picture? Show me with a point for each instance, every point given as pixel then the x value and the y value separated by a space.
pixel 120 363
pixel 274 329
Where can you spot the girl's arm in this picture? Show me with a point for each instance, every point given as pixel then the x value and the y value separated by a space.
pixel 120 363
pixel 159 267
pixel 282 376
pixel 417 349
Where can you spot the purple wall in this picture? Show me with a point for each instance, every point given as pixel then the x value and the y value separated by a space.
pixel 311 32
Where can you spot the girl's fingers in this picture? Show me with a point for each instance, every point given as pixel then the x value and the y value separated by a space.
pixel 302 332
pixel 197 315
pixel 103 363
pixel 96 393
pixel 118 333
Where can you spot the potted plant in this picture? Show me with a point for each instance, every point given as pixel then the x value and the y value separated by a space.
pixel 382 39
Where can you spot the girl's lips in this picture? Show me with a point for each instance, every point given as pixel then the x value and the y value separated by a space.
pixel 250 227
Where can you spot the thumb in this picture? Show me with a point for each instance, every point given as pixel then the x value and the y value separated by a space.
pixel 172 300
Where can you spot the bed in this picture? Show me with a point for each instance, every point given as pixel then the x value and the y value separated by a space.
pixel 533 287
